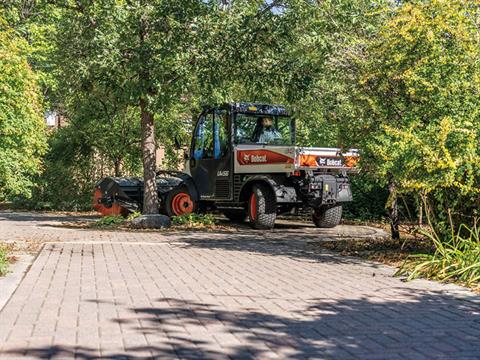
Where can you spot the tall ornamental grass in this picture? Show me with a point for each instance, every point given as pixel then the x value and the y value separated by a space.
pixel 455 259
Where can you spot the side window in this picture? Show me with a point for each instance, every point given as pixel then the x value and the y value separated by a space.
pixel 220 133
pixel 204 144
pixel 247 129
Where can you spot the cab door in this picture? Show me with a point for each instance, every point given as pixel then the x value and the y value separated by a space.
pixel 210 157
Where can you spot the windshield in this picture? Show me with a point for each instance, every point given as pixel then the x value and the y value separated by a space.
pixel 264 129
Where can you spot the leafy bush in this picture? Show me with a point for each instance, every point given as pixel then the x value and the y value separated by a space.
pixel 3 260
pixel 411 106
pixel 111 220
pixel 194 220
pixel 369 199
pixel 455 259
pixel 82 153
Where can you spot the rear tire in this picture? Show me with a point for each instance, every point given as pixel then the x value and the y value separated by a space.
pixel 179 202
pixel 327 217
pixel 235 216
pixel 262 207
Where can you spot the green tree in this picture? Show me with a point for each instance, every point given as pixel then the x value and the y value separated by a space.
pixel 141 51
pixel 22 129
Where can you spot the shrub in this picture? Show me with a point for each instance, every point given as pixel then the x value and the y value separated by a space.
pixel 22 128
pixel 80 154
pixel 369 199
pixel 455 259
pixel 413 91
pixel 194 220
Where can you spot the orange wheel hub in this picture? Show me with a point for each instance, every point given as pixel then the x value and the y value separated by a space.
pixel 182 204
pixel 253 207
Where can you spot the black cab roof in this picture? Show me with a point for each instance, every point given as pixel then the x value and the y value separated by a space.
pixel 256 108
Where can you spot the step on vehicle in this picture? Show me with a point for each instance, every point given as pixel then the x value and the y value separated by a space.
pixel 243 162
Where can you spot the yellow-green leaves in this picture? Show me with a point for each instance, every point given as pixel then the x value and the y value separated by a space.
pixel 419 86
pixel 22 129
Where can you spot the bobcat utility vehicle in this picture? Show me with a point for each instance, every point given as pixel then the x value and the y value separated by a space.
pixel 243 162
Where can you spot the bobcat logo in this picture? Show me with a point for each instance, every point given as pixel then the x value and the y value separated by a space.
pixel 248 159
pixel 258 158
pixel 329 162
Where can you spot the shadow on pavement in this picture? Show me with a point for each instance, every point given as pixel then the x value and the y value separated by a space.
pixel 44 217
pixel 297 249
pixel 422 326
pixel 303 247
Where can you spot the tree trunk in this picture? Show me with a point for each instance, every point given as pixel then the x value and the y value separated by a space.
pixel 420 215
pixel 150 195
pixel 393 210
pixel 117 168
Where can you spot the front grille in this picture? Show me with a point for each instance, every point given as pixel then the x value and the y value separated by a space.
pixel 222 189
pixel 237 186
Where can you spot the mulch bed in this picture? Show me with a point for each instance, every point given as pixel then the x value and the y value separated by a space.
pixel 386 251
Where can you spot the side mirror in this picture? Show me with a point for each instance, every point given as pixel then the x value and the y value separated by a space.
pixel 178 146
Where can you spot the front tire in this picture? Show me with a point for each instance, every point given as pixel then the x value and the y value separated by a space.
pixel 327 217
pixel 262 207
pixel 179 202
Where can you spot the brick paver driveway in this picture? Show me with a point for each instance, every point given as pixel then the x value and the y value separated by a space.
pixel 111 295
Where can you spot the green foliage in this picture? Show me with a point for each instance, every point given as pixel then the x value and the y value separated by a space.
pixel 68 179
pixel 368 199
pixel 456 258
pixel 22 130
pixel 105 129
pixel 134 215
pixel 36 22
pixel 110 221
pixel 194 220
pixel 137 50
pixel 93 145
pixel 3 260
pixel 416 114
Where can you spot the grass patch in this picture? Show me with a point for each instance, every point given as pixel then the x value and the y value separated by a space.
pixel 4 260
pixel 110 221
pixel 134 215
pixel 456 259
pixel 194 220
pixel 190 221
